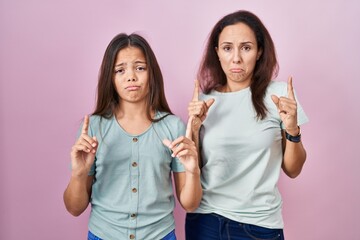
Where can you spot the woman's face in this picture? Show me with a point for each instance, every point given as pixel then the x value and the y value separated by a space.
pixel 238 52
pixel 131 75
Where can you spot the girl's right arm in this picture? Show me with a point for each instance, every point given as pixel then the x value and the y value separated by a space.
pixel 78 192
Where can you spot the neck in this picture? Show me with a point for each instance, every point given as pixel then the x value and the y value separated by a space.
pixel 132 117
pixel 228 87
pixel 132 110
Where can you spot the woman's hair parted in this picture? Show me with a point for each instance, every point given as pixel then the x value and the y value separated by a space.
pixel 108 98
pixel 211 75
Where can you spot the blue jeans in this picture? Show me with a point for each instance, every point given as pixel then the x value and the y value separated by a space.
pixel 215 227
pixel 170 236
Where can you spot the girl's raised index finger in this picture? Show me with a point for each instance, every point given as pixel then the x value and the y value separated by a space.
pixel 290 89
pixel 85 126
pixel 196 91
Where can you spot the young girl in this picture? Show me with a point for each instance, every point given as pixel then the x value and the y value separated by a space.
pixel 126 151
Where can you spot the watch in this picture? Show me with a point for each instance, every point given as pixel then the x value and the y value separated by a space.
pixel 294 139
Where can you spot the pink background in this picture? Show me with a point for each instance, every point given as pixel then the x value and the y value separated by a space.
pixel 50 54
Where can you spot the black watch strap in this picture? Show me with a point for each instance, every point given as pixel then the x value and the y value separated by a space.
pixel 291 138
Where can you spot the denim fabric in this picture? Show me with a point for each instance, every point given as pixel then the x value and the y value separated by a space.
pixel 215 227
pixel 91 236
pixel 170 236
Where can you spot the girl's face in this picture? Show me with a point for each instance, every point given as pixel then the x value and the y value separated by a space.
pixel 238 52
pixel 131 75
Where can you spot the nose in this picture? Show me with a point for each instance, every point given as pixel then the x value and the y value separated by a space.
pixel 131 77
pixel 237 56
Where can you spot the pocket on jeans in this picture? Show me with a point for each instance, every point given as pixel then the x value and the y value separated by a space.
pixel 261 233
pixel 192 216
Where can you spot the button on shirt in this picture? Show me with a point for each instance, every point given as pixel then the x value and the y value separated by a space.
pixel 132 195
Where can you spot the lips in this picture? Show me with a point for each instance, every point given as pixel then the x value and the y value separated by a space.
pixel 236 70
pixel 132 88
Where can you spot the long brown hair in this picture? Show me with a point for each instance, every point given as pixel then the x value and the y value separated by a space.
pixel 107 96
pixel 211 75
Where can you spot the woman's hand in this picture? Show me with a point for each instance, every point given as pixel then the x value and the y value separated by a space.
pixel 198 108
pixel 287 108
pixel 83 151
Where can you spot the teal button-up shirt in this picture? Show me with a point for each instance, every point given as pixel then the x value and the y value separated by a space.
pixel 132 194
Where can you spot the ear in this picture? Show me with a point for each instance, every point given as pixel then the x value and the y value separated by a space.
pixel 259 54
pixel 217 52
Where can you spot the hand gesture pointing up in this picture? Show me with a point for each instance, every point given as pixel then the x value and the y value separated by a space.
pixel 198 109
pixel 83 151
pixel 287 108
pixel 184 148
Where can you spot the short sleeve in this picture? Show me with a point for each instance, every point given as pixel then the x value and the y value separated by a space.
pixel 179 130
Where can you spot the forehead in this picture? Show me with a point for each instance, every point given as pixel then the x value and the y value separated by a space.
pixel 239 32
pixel 130 54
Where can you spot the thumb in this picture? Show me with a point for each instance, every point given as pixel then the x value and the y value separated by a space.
pixel 167 142
pixel 209 102
pixel 275 99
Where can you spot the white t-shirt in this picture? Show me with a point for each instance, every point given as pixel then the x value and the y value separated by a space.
pixel 242 158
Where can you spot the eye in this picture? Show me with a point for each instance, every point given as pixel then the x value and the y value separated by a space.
pixel 246 48
pixel 226 48
pixel 119 71
pixel 141 68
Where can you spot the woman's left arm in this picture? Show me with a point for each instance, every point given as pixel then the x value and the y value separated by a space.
pixel 294 155
pixel 294 152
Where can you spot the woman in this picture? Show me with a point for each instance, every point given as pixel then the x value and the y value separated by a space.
pixel 250 130
pixel 121 162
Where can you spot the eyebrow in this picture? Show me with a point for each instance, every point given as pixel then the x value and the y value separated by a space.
pixel 136 62
pixel 246 42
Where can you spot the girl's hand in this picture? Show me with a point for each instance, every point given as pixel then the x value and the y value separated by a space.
pixel 83 151
pixel 184 148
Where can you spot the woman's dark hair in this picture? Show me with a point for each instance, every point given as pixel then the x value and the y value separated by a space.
pixel 107 96
pixel 212 76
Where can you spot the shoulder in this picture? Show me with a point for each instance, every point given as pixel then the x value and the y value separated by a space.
pixel 96 121
pixel 212 94
pixel 277 88
pixel 170 119
pixel 171 124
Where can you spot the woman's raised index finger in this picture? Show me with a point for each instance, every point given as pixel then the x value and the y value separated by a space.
pixel 188 133
pixel 85 126
pixel 290 89
pixel 196 91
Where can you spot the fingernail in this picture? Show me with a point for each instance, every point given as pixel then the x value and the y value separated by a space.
pixel 94 144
